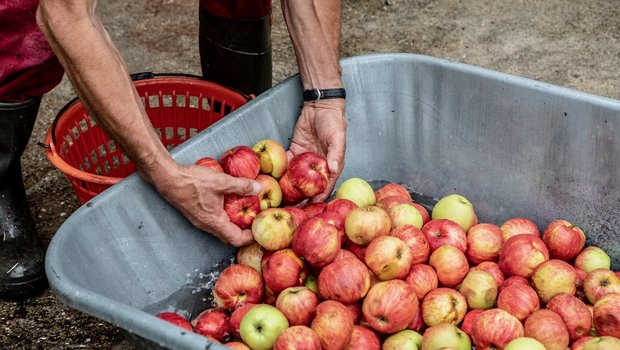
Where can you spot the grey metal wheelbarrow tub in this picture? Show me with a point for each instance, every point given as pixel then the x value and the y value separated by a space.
pixel 513 146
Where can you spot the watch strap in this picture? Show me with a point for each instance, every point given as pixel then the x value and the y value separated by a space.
pixel 322 94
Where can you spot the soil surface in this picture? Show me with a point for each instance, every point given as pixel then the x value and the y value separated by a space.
pixel 574 44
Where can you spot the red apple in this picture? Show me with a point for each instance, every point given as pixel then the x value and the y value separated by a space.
pixel 450 264
pixel 284 269
pixel 494 329
pixel 271 195
pixel 341 206
pixel 417 324
pixel 553 277
pixel 344 280
pixel 519 226
pixel 392 189
pixel 333 324
pixel 469 320
pixel 563 239
pixel 580 343
pixel 357 249
pixel 439 232
pixel 405 214
pixel 479 289
pixel 600 282
pixel 607 315
pixel 548 328
pixel 426 217
pixel 238 285
pixel 493 269
pixel 514 280
pixel 308 173
pixel 519 300
pixel 581 276
pixel 213 323
pixel 423 279
pixel 574 313
pixel 355 309
pixel 445 336
pixel 390 306
pixel 521 254
pixel 298 214
pixel 251 255
pixel 313 209
pixel 272 157
pixel 210 163
pixel 235 345
pixel 335 219
pixel 344 254
pixel 298 304
pixel 362 338
pixel 240 161
pixel 290 195
pixel 415 239
pixel 298 338
pixel 592 258
pixel 364 224
pixel 388 257
pixel 316 241
pixel 176 320
pixel 273 229
pixel 484 241
pixel 236 317
pixel 387 203
pixel 443 305
pixel 241 210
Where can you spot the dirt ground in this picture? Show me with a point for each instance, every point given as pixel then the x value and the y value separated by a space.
pixel 575 44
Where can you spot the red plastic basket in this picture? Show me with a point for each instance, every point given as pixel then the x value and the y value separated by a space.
pixel 179 106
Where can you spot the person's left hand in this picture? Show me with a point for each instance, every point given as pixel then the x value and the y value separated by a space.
pixel 321 128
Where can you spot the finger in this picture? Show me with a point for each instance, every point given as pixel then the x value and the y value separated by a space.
pixel 228 232
pixel 289 155
pixel 242 186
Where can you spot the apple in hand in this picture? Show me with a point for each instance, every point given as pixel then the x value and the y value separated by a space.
pixel 495 328
pixel 298 338
pixel 450 264
pixel 520 300
pixel 176 320
pixel 334 325
pixel 272 157
pixel 240 161
pixel 290 194
pixel 525 343
pixel 261 326
pixel 574 313
pixel 251 255
pixel 388 257
pixel 607 315
pixel 273 229
pixel 210 163
pixel 521 254
pixel 423 279
pixel 345 280
pixel 440 232
pixel 212 323
pixel 316 241
pixel 238 285
pixel 241 210
pixel 392 189
pixel 600 282
pixel 271 195
pixel 443 305
pixel 415 239
pixel 479 289
pixel 364 224
pixel 484 242
pixel 592 258
pixel 445 336
pixel 390 306
pixel 308 173
pixel 456 208
pixel 284 269
pixel 298 304
pixel 548 328
pixel 362 338
pixel 403 340
pixel 519 226
pixel 358 191
pixel 563 239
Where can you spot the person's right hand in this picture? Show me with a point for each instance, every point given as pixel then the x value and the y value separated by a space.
pixel 198 193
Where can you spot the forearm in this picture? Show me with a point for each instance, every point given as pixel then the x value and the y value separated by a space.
pixel 314 27
pixel 101 80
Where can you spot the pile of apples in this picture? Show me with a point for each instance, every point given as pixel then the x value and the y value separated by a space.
pixel 371 269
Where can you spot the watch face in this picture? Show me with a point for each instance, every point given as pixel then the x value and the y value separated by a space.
pixel 312 95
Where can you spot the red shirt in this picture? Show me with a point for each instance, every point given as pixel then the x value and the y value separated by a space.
pixel 28 67
pixel 238 9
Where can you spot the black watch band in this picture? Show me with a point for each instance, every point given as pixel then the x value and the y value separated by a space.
pixel 322 94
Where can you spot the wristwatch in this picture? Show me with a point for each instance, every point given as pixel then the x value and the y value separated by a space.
pixel 322 94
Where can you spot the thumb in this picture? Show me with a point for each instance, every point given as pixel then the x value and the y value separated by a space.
pixel 335 155
pixel 242 186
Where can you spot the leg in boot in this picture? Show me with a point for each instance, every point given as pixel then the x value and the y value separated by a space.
pixel 21 256
pixel 236 52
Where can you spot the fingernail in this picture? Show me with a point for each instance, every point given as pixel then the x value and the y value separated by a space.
pixel 256 188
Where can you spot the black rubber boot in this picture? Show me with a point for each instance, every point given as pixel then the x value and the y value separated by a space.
pixel 236 53
pixel 22 273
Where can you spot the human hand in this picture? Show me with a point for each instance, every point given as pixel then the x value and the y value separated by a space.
pixel 198 193
pixel 321 128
